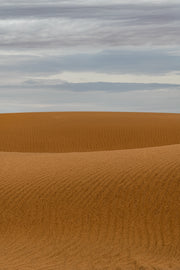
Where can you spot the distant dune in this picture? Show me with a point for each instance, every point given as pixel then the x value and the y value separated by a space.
pixel 87 131
pixel 90 191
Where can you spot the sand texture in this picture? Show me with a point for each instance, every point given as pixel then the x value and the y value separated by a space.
pixel 90 191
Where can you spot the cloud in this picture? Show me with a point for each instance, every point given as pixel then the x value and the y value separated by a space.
pixel 43 39
pixel 97 86
pixel 25 25
pixel 42 86
pixel 112 12
pixel 129 61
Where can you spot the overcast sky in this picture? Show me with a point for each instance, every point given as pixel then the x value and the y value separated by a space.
pixel 88 55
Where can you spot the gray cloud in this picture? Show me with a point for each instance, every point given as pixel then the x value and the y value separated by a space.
pixel 107 87
pixel 52 26
pixel 98 86
pixel 157 61
pixel 42 38
pixel 118 12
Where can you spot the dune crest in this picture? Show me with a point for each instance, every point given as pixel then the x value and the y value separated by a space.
pixel 96 210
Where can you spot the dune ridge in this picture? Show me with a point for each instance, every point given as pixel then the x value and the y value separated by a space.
pixel 108 209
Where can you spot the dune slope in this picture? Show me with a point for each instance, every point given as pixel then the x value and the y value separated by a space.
pixel 100 210
pixel 113 210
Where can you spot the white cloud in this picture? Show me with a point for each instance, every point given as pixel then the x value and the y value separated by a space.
pixel 84 77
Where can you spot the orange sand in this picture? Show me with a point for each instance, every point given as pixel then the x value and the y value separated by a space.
pixel 104 206
pixel 87 131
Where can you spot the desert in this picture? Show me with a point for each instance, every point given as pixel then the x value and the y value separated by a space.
pixel 90 191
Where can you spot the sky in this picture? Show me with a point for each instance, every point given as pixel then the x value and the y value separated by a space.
pixel 89 55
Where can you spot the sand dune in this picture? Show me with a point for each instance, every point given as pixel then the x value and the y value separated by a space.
pixel 100 210
pixel 87 131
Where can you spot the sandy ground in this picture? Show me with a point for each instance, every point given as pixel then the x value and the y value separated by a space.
pixel 90 191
